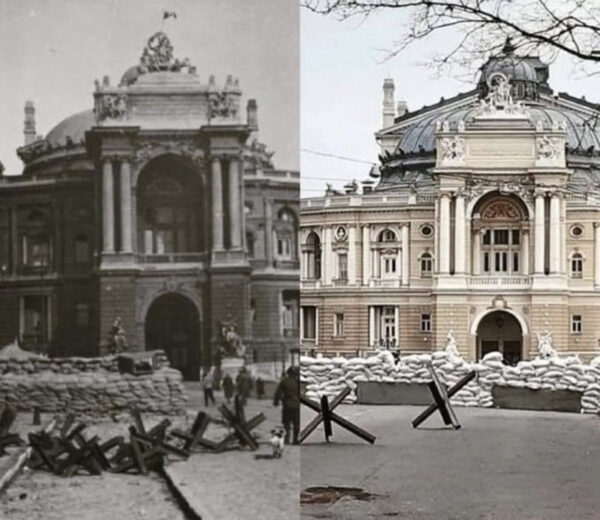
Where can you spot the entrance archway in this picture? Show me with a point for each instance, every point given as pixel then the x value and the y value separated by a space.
pixel 500 331
pixel 173 325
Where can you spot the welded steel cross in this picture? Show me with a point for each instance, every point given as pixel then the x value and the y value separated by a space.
pixel 326 416
pixel 442 399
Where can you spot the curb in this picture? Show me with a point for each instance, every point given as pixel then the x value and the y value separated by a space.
pixel 11 473
pixel 190 512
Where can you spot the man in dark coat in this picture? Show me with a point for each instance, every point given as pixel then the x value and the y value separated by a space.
pixel 228 387
pixel 288 392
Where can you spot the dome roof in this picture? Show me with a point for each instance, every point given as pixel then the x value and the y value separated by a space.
pixel 420 136
pixel 73 126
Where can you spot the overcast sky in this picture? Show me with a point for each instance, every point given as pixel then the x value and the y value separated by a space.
pixel 51 52
pixel 342 76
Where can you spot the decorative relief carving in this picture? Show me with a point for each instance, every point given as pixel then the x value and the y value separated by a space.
pixel 453 149
pixel 547 148
pixel 501 210
pixel 145 150
pixel 113 106
pixel 224 104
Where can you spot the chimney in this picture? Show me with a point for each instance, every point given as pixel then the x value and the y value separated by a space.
pixel 401 108
pixel 29 127
pixel 389 110
pixel 251 115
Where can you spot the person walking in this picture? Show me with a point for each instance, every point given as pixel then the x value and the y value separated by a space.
pixel 228 388
pixel 207 385
pixel 288 393
pixel 243 385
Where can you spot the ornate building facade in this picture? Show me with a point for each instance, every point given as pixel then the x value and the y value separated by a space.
pixel 483 221
pixel 158 206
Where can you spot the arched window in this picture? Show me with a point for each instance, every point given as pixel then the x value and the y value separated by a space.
pixel 387 235
pixel 169 208
pixel 312 251
pixel 576 265
pixel 36 238
pixel 388 254
pixel 286 232
pixel 426 262
pixel 499 239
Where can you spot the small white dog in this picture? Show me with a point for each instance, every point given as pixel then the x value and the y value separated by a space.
pixel 277 436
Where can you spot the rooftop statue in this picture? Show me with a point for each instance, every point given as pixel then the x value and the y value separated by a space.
pixel 499 99
pixel 158 55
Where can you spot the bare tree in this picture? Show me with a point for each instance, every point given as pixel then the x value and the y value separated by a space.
pixel 477 28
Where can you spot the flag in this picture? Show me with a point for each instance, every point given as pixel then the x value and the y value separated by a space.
pixel 169 14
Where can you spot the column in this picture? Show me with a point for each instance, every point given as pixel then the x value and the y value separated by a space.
pixel 397 324
pixel 328 260
pixel 108 207
pixel 540 245
pixel 444 252
pixel 405 255
pixel 555 233
pixel 477 252
pixel 234 204
pixel 525 252
pixel 371 326
pixel 126 213
pixel 459 236
pixel 366 246
pixel 217 204
pixel 436 236
pixel 351 255
pixel 269 232
pixel 597 253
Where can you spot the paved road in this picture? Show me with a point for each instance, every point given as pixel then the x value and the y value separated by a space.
pixel 502 465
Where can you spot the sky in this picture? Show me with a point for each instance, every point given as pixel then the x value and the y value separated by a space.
pixel 343 66
pixel 51 52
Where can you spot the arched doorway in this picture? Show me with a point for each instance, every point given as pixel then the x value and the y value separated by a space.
pixel 500 331
pixel 173 325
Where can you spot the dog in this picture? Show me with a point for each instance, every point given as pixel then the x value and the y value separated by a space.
pixel 276 441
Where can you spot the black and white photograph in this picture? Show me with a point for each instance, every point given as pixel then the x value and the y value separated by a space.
pixel 149 259
pixel 450 282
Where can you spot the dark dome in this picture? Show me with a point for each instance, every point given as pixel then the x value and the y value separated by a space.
pixel 73 126
pixel 420 136
pixel 513 67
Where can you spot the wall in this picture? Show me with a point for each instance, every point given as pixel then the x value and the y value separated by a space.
pixel 89 385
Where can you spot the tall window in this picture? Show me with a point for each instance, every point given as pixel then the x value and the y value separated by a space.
pixel 576 265
pixel 576 324
pixel 426 265
pixel 384 326
pixel 387 254
pixel 309 322
pixel 34 322
pixel 425 322
pixel 250 243
pixel 82 314
pixel 36 238
pixel 289 313
pixel 165 217
pixel 312 250
pixel 82 249
pixel 286 232
pixel 339 325
pixel 501 238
